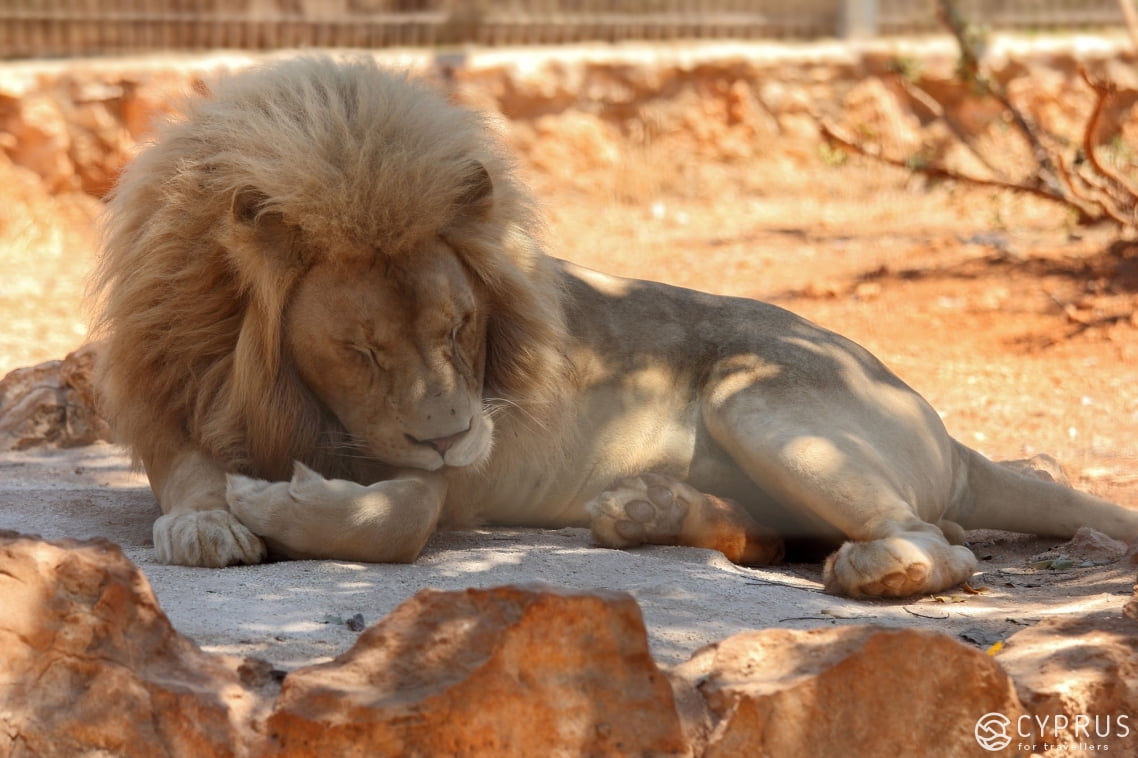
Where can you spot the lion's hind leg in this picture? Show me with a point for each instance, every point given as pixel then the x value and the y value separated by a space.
pixel 840 480
pixel 660 510
pixel 890 552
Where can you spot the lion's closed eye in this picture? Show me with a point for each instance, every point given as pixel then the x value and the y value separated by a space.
pixel 460 325
pixel 373 356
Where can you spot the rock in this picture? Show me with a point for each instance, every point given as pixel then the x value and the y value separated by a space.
pixel 854 690
pixel 41 139
pixel 31 406
pixel 1088 546
pixel 1041 466
pixel 91 665
pixel 873 111
pixel 152 98
pixel 52 404
pixel 569 143
pixel 77 375
pixel 1079 678
pixel 506 671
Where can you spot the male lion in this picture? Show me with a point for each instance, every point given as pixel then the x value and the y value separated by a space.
pixel 329 264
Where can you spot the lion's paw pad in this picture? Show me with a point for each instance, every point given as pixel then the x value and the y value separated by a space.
pixel 645 509
pixel 910 581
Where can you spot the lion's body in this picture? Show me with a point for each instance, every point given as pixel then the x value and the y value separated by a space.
pixel 328 264
pixel 654 363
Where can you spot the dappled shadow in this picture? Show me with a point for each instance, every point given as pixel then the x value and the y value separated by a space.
pixel 1084 293
pixel 1113 269
pixel 296 613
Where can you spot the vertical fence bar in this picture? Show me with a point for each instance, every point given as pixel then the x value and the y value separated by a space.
pixel 76 27
pixel 858 19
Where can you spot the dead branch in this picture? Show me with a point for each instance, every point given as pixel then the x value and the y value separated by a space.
pixel 835 134
pixel 1091 188
pixel 970 43
pixel 938 110
pixel 1121 191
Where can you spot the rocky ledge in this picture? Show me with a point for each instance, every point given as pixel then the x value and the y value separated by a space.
pixel 92 666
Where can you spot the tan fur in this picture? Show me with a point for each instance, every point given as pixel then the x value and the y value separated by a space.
pixel 193 311
pixel 330 327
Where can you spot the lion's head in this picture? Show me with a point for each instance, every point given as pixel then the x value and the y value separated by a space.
pixel 407 386
pixel 324 261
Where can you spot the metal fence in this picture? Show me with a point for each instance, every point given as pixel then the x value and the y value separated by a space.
pixel 54 28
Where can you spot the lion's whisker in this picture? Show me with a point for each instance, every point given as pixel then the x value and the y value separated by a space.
pixel 495 406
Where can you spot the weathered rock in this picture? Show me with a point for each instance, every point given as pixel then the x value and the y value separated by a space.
pixel 40 138
pixel 1079 678
pixel 873 110
pixel 52 404
pixel 89 664
pixel 507 671
pixel 858 691
pixel 1041 466
pixel 1087 546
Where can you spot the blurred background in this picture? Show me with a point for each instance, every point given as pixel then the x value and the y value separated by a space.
pixel 38 28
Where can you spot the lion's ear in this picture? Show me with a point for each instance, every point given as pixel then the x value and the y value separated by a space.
pixel 272 233
pixel 246 204
pixel 477 190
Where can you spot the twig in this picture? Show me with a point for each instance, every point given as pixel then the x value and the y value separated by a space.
pixel 1097 194
pixel 1122 191
pixel 971 70
pixel 832 132
pixel 1069 309
pixel 1076 196
pixel 934 107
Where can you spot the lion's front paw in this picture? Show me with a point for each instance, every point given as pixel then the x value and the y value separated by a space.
pixel 212 538
pixel 900 566
pixel 645 509
pixel 257 502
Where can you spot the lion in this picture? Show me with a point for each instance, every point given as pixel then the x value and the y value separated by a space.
pixel 331 328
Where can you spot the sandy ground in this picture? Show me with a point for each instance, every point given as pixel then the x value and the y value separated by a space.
pixel 1018 328
pixel 296 613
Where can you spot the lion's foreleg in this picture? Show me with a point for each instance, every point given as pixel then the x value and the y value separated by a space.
pixel 196 528
pixel 314 517
pixel 659 510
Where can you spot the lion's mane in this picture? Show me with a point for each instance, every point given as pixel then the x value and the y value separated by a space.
pixel 351 160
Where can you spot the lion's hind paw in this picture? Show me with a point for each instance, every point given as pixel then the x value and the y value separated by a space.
pixel 900 566
pixel 213 538
pixel 638 510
